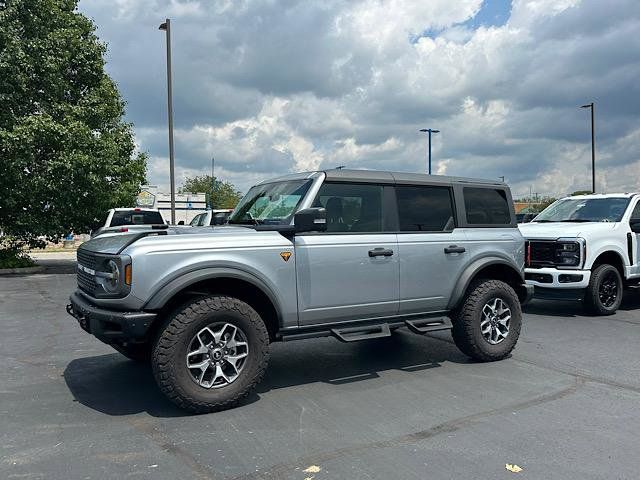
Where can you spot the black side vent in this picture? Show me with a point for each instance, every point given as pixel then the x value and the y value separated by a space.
pixel 630 247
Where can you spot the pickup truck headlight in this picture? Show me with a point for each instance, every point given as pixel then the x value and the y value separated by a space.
pixel 568 253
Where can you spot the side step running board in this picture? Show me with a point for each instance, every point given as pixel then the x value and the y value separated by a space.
pixel 353 334
pixel 425 325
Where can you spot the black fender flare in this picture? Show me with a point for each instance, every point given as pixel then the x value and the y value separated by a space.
pixel 165 293
pixel 471 271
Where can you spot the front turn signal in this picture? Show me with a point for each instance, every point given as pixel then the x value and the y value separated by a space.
pixel 127 274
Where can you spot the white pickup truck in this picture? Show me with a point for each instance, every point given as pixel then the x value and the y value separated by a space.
pixel 585 248
pixel 130 219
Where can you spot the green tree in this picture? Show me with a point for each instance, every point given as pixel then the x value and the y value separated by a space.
pixel 66 155
pixel 225 194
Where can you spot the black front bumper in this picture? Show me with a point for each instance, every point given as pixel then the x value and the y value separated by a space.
pixel 109 326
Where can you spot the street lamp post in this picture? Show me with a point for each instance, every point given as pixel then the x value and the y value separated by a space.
pixel 166 26
pixel 593 147
pixel 429 131
pixel 213 179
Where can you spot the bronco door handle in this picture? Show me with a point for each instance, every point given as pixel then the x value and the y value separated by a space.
pixel 454 249
pixel 380 252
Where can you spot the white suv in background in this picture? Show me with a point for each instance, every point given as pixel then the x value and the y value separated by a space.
pixel 585 248
pixel 122 220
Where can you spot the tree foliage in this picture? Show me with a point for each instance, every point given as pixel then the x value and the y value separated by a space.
pixel 225 194
pixel 581 192
pixel 66 155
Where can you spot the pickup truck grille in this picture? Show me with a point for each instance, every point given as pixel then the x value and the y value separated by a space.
pixel 541 253
pixel 86 281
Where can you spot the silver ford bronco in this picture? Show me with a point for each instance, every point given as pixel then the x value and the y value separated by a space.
pixel 346 253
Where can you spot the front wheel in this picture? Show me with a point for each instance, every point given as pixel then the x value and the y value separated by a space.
pixel 211 354
pixel 604 293
pixel 486 326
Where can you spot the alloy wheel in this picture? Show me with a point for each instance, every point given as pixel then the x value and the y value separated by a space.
pixel 494 322
pixel 217 354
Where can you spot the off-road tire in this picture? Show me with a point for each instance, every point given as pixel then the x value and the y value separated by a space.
pixel 466 321
pixel 138 352
pixel 592 298
pixel 169 353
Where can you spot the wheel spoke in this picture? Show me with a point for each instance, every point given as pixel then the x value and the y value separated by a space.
pixel 234 359
pixel 219 373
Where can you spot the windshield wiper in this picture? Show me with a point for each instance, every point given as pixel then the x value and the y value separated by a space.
pixel 576 220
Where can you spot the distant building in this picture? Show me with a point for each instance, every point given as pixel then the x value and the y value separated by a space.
pixel 188 205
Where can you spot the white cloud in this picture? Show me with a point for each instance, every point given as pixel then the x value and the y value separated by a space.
pixel 271 87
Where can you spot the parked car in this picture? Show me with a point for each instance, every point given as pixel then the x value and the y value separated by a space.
pixel 525 217
pixel 211 217
pixel 585 248
pixel 122 220
pixel 343 253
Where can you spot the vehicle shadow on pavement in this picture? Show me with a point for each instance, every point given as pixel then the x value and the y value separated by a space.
pixel 560 308
pixel 113 385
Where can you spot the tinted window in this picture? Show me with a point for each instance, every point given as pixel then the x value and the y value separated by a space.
pixel 133 217
pixel 195 220
pixel 486 206
pixel 427 209
pixel 351 207
pixel 635 215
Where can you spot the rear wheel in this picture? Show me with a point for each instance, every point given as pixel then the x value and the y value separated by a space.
pixel 604 293
pixel 211 354
pixel 486 327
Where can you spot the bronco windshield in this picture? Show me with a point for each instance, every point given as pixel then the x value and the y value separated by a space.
pixel 585 210
pixel 271 203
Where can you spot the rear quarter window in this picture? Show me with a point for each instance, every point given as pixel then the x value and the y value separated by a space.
pixel 486 206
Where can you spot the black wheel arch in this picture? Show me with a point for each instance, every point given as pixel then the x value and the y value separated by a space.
pixel 223 281
pixel 494 268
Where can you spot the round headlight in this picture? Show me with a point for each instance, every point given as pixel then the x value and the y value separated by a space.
pixel 112 284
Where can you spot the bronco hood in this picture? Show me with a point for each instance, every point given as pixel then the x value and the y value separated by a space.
pixel 114 243
pixel 555 230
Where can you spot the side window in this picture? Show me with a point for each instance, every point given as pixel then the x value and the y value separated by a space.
pixel 486 206
pixel 195 220
pixel 425 209
pixel 203 218
pixel 351 207
pixel 635 215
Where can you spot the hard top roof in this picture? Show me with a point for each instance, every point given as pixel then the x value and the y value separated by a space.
pixel 377 176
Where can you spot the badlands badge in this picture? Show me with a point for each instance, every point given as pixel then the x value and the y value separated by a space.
pixel 285 256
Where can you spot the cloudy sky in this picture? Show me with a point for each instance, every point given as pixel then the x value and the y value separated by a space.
pixel 275 86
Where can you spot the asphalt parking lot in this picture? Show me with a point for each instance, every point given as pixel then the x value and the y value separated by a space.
pixel 564 406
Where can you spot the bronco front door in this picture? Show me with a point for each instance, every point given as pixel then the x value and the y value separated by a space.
pixel 351 271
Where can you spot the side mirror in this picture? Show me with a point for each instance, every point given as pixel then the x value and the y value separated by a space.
pixel 310 220
pixel 635 225
pixel 181 222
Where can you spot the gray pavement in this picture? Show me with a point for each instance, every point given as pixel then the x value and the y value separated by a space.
pixel 564 406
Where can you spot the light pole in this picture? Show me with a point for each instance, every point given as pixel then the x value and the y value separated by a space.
pixel 213 179
pixel 429 131
pixel 593 147
pixel 166 26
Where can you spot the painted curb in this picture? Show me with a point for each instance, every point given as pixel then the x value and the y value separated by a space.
pixel 24 270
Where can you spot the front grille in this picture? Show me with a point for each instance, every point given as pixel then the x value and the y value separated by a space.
pixel 541 254
pixel 86 281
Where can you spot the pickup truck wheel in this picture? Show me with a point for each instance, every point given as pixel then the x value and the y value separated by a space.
pixel 604 293
pixel 211 354
pixel 486 326
pixel 138 352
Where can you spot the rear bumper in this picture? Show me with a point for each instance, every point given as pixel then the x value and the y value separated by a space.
pixel 109 326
